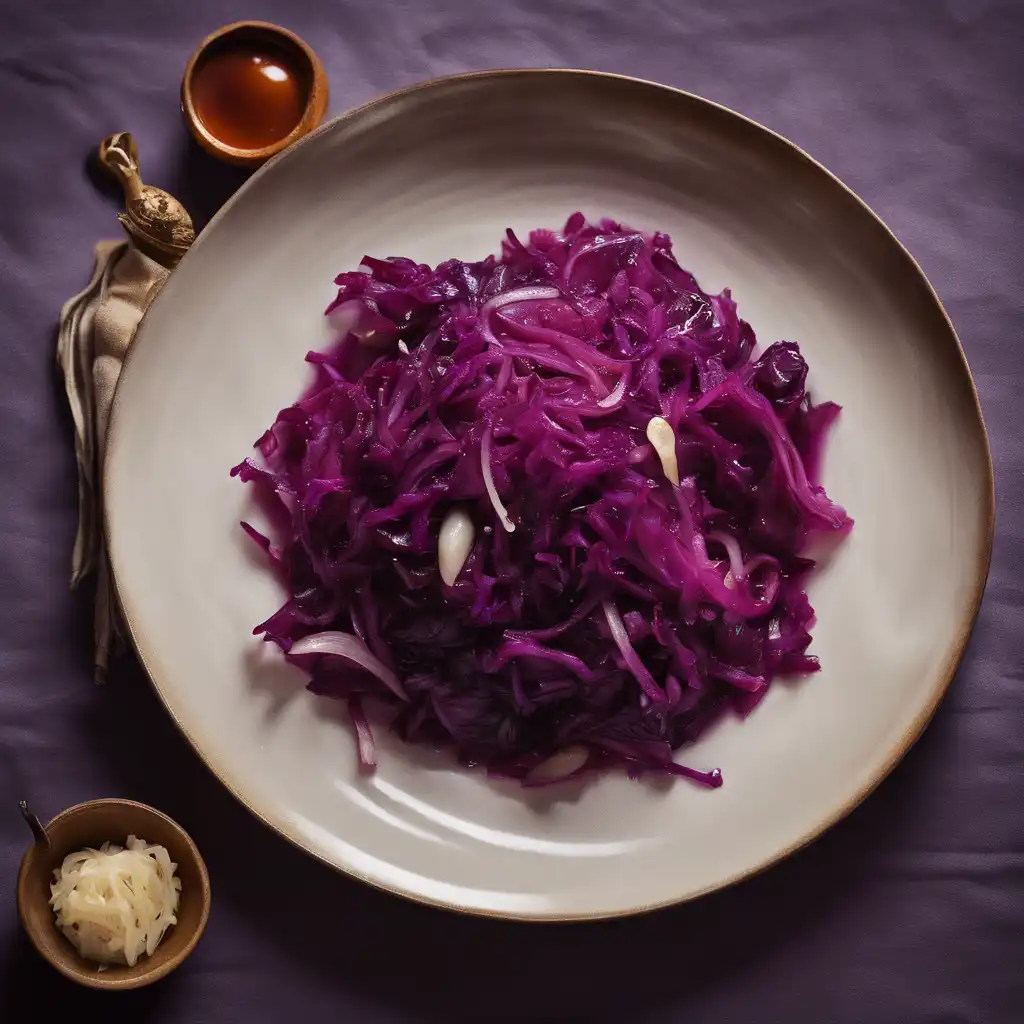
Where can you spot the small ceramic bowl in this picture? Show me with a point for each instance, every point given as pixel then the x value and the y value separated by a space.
pixel 260 36
pixel 91 824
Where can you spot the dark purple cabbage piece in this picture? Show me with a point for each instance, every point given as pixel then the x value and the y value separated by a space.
pixel 516 660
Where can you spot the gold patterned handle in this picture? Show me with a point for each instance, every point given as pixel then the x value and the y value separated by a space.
pixel 157 223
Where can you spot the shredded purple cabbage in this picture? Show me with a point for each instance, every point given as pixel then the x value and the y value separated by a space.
pixel 622 614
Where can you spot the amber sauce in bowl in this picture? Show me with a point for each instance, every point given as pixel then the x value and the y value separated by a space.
pixel 250 90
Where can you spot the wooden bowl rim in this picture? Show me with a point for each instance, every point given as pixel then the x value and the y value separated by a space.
pixel 312 115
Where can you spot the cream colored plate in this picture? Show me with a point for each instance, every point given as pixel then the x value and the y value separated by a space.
pixel 441 170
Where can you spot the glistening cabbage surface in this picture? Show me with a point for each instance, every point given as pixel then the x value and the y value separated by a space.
pixel 625 486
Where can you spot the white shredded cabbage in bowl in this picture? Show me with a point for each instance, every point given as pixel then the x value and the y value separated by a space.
pixel 116 903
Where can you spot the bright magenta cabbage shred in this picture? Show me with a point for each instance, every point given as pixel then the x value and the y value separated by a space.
pixel 623 614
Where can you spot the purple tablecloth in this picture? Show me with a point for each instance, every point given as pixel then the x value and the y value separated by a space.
pixel 911 910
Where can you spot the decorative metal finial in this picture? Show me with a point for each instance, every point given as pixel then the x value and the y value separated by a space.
pixel 33 823
pixel 155 220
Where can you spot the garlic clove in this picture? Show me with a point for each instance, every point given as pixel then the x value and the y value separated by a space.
pixel 454 543
pixel 663 438
pixel 560 765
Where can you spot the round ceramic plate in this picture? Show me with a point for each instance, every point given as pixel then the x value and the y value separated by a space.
pixel 440 170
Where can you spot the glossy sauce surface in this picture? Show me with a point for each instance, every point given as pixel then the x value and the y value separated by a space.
pixel 248 98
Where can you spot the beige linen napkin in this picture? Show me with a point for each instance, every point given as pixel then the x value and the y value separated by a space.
pixel 96 329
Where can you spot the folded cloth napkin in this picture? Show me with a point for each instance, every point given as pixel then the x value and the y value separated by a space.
pixel 96 330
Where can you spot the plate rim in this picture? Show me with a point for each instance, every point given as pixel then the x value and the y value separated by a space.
pixel 894 755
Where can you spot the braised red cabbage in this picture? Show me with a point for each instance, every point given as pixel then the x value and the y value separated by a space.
pixel 604 615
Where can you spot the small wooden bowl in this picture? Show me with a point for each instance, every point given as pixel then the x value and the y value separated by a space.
pixel 312 80
pixel 91 824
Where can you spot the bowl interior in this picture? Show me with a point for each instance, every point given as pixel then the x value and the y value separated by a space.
pixel 441 170
pixel 266 40
pixel 89 825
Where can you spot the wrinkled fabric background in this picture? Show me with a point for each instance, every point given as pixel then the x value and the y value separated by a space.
pixel 911 910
